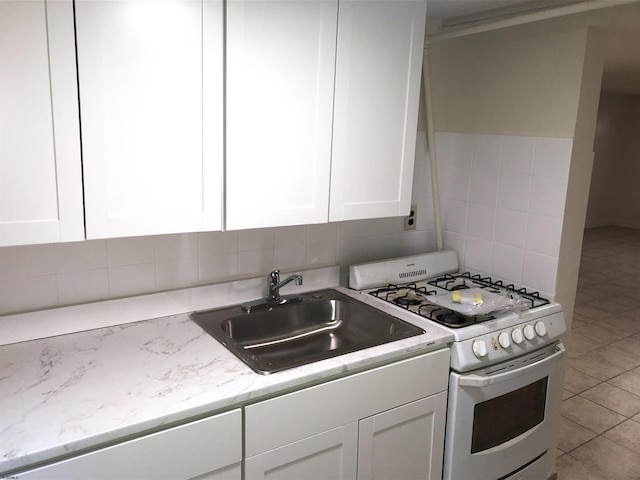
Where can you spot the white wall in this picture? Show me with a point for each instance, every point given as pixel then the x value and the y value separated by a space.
pixel 611 132
pixel 44 276
pixel 512 95
pixel 614 197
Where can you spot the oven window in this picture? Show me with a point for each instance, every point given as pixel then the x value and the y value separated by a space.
pixel 500 419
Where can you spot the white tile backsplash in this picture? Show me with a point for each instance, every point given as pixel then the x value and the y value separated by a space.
pixel 128 251
pixel 507 263
pixel 481 221
pixel 548 196
pixel 454 215
pixel 517 154
pixel 83 286
pixel 128 280
pixel 543 234
pixel 511 227
pixel 484 187
pixel 478 255
pixel 514 191
pixel 512 216
pixel 539 271
pixel 486 153
pixel 550 158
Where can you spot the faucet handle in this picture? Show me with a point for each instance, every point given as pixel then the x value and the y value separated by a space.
pixel 275 276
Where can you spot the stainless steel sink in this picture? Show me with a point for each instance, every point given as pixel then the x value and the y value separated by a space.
pixel 323 325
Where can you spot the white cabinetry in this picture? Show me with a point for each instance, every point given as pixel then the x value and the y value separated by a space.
pixel 295 155
pixel 383 423
pixel 379 60
pixel 150 78
pixel 40 171
pixel 210 448
pixel 405 442
pixel 279 92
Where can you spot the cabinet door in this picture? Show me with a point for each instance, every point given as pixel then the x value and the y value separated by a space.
pixel 150 76
pixel 279 92
pixel 379 59
pixel 206 449
pixel 40 171
pixel 328 455
pixel 406 442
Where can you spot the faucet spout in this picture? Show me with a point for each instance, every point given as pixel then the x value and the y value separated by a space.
pixel 274 284
pixel 273 293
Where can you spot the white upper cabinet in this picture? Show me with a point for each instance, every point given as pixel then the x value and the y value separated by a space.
pixel 279 90
pixel 40 170
pixel 377 89
pixel 150 78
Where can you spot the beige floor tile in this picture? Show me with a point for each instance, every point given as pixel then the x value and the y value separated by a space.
pixel 590 415
pixel 567 394
pixel 570 468
pixel 615 304
pixel 616 356
pixel 614 398
pixel 609 458
pixel 629 345
pixel 599 368
pixel 575 381
pixel 591 311
pixel 572 435
pixel 599 331
pixel 582 344
pixel 623 323
pixel 629 381
pixel 626 434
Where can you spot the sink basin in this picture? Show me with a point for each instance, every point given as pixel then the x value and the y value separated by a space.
pixel 323 325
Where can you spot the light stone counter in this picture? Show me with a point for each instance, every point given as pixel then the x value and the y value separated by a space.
pixel 78 391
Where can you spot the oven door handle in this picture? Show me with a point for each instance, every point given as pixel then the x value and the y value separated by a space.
pixel 474 380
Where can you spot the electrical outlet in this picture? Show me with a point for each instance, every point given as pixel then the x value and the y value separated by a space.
pixel 410 221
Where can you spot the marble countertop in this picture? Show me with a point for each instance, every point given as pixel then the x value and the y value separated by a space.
pixel 78 391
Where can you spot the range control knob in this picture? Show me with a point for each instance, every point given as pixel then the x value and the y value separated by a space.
pixel 529 332
pixel 517 336
pixel 541 329
pixel 504 340
pixel 479 348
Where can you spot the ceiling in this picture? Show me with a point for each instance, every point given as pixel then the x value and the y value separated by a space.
pixel 622 59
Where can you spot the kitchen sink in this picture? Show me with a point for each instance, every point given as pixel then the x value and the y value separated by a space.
pixel 324 324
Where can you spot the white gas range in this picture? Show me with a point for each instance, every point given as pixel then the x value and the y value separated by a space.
pixel 504 385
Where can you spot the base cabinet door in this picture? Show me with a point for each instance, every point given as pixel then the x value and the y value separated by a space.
pixel 406 442
pixel 210 449
pixel 327 455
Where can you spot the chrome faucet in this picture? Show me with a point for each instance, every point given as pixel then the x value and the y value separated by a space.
pixel 273 293
pixel 274 284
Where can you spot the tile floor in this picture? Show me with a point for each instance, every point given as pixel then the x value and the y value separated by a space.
pixel 600 424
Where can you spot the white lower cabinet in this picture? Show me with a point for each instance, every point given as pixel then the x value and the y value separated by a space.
pixel 330 454
pixel 386 423
pixel 405 442
pixel 210 449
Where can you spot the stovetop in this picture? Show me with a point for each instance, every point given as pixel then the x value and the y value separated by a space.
pixel 425 285
pixel 417 297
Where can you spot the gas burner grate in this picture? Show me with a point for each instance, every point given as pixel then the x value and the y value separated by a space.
pixel 464 280
pixel 415 299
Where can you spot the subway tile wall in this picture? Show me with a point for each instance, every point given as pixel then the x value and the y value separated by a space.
pixel 36 277
pixel 502 202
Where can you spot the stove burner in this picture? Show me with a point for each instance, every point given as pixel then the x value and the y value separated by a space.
pixel 451 318
pixel 407 301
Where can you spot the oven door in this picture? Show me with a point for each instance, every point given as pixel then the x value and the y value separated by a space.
pixel 500 418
